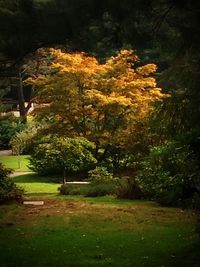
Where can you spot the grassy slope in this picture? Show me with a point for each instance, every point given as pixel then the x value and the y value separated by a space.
pixel 18 163
pixel 90 232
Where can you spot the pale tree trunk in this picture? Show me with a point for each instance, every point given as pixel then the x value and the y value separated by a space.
pixel 64 175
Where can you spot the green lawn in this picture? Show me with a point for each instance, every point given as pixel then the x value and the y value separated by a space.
pixel 18 163
pixel 89 232
pixel 35 185
pixel 81 234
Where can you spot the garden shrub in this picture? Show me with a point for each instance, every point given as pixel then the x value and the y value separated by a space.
pixel 102 182
pixel 129 188
pixel 8 189
pixel 88 190
pixel 73 189
pixel 63 154
pixel 23 142
pixel 100 175
pixel 101 189
pixel 9 127
pixel 170 174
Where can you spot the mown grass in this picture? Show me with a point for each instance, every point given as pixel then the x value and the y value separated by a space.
pixel 68 233
pixel 35 185
pixel 87 232
pixel 17 163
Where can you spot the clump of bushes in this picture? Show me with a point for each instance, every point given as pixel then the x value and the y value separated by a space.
pixel 98 190
pixel 101 183
pixel 73 189
pixel 170 175
pixel 129 188
pixel 23 142
pixel 100 175
pixel 68 155
pixel 8 189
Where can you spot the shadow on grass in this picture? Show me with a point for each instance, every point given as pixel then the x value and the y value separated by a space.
pixel 35 178
pixel 42 194
pixel 190 255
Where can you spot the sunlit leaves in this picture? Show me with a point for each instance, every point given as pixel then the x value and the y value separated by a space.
pixel 97 101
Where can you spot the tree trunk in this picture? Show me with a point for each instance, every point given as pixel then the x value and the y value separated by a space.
pixel 17 84
pixel 22 108
pixel 64 175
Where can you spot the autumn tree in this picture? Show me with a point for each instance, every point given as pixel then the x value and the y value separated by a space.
pixel 101 102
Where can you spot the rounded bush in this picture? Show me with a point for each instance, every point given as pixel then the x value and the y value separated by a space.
pixel 102 183
pixel 100 175
pixel 69 155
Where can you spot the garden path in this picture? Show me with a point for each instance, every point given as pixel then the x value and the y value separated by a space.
pixel 5 152
pixel 14 174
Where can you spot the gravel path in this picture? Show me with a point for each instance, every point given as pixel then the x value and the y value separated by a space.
pixel 5 152
pixel 14 174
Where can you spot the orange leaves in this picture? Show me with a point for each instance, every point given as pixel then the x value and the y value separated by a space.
pixel 98 101
pixel 105 100
pixel 77 63
pixel 40 80
pixel 147 69
pixel 124 57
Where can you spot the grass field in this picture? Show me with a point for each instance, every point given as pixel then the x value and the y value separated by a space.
pixel 74 231
pixel 18 163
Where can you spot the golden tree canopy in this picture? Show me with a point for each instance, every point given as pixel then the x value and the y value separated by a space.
pixel 101 102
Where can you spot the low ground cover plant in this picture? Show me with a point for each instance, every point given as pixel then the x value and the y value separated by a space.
pixel 101 183
pixel 8 189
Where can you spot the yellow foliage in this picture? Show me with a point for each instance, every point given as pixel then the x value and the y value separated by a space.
pixel 147 69
pixel 98 101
